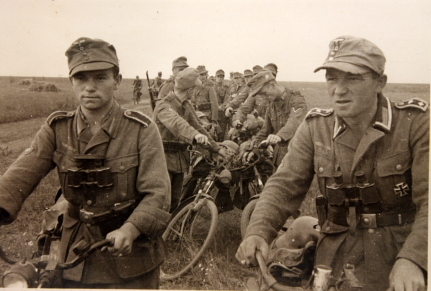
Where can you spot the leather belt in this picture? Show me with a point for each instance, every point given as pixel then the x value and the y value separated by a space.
pixel 373 220
pixel 174 146
pixel 93 218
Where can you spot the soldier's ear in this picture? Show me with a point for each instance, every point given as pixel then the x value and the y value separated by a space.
pixel 118 80
pixel 381 83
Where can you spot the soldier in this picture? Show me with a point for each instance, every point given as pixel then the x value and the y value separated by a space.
pixel 257 69
pixel 222 92
pixel 157 83
pixel 178 65
pixel 179 127
pixel 204 98
pixel 242 95
pixel 137 87
pixel 286 110
pixel 370 156
pixel 272 68
pixel 124 148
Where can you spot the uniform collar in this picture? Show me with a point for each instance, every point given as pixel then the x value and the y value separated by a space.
pixel 382 119
pixel 108 123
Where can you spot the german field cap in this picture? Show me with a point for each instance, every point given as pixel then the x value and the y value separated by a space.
pixel 257 69
pixel 201 70
pixel 88 54
pixel 187 78
pixel 256 83
pixel 271 67
pixel 237 74
pixel 180 62
pixel 248 73
pixel 354 55
pixel 220 73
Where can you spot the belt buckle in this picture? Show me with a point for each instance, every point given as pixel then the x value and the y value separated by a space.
pixel 368 220
pixel 86 216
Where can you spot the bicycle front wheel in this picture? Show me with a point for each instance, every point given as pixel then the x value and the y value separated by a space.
pixel 188 235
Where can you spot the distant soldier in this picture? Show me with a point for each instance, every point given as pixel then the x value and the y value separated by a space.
pixel 257 69
pixel 179 126
pixel 222 92
pixel 157 83
pixel 178 65
pixel 137 87
pixel 241 96
pixel 272 67
pixel 286 110
pixel 204 96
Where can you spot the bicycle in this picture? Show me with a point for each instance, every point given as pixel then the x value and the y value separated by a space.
pixel 193 223
pixel 42 271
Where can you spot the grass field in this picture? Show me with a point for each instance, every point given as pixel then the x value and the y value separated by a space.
pixel 21 114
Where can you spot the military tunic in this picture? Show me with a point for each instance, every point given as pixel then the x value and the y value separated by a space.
pixel 392 156
pixel 258 102
pixel 283 118
pixel 205 100
pixel 132 149
pixel 166 87
pixel 222 93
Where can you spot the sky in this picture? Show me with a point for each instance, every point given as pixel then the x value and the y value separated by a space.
pixel 231 35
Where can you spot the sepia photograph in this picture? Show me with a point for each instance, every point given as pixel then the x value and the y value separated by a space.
pixel 215 145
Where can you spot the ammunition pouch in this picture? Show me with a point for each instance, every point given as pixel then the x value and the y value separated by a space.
pixel 349 195
pixel 119 209
pixel 174 146
pixel 203 106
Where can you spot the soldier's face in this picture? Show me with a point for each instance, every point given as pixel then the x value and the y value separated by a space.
pixel 353 95
pixel 176 70
pixel 219 78
pixel 203 77
pixel 95 89
pixel 270 91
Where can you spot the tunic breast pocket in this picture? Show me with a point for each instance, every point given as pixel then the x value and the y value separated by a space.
pixel 324 170
pixel 124 170
pixel 394 179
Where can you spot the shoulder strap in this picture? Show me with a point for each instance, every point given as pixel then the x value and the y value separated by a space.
pixel 413 103
pixel 319 112
pixel 56 115
pixel 138 116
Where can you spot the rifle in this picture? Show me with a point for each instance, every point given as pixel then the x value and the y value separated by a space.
pixel 152 98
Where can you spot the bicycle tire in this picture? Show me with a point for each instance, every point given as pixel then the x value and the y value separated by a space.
pixel 187 236
pixel 246 214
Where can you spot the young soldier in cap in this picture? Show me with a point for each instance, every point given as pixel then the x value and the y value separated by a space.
pixel 124 148
pixel 204 98
pixel 222 92
pixel 286 110
pixel 178 65
pixel 272 68
pixel 370 156
pixel 179 127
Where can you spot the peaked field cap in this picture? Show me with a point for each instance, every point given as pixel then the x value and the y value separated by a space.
pixel 257 69
pixel 201 69
pixel 220 73
pixel 271 67
pixel 354 55
pixel 90 54
pixel 180 62
pixel 248 73
pixel 187 78
pixel 256 83
pixel 237 74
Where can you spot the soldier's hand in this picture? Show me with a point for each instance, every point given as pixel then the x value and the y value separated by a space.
pixel 273 139
pixel 201 139
pixel 228 112
pixel 123 239
pixel 246 253
pixel 406 276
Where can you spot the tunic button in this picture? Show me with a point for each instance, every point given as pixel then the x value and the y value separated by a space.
pixel 370 230
pixel 399 167
pixel 89 202
pixel 122 168
pixel 366 220
pixel 321 170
